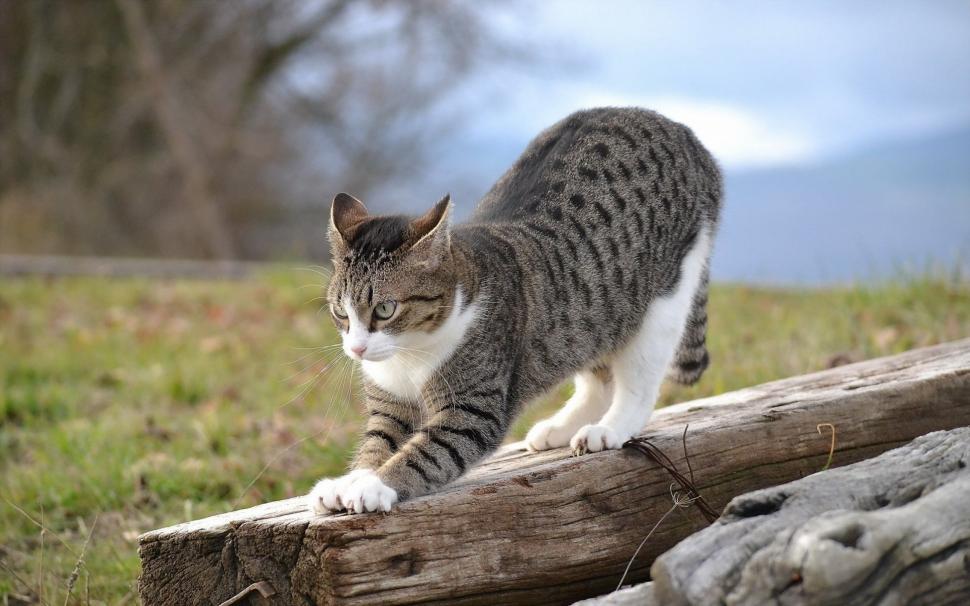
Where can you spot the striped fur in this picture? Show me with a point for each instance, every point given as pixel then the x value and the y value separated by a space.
pixel 573 265
pixel 692 358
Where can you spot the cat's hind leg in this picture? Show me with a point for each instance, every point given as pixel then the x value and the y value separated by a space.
pixel 639 368
pixel 591 397
pixel 692 358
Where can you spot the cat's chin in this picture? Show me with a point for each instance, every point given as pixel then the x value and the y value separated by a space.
pixel 377 358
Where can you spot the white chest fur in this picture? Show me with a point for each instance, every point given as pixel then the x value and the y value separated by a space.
pixel 421 354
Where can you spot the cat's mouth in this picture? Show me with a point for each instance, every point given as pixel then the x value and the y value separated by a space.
pixel 371 356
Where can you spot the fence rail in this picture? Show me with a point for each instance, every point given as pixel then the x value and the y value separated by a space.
pixel 121 267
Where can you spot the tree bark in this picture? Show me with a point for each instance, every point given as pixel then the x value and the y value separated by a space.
pixel 550 528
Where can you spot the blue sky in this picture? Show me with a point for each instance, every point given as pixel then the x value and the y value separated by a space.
pixel 762 83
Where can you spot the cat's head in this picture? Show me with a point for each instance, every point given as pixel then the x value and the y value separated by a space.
pixel 393 282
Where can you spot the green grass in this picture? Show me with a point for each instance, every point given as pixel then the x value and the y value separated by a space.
pixel 127 405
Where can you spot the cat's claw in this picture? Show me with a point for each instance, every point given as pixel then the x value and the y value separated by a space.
pixel 594 438
pixel 547 434
pixel 368 493
pixel 326 495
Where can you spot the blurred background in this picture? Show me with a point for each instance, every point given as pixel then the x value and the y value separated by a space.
pixel 222 130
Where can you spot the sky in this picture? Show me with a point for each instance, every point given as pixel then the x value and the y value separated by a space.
pixel 762 83
pixel 843 128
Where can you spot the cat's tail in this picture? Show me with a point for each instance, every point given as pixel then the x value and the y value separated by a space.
pixel 692 358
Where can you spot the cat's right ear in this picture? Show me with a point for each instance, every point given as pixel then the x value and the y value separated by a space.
pixel 346 214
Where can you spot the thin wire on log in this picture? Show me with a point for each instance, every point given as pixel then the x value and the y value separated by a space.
pixel 646 448
pixel 818 428
pixel 679 501
pixel 265 590
pixel 683 442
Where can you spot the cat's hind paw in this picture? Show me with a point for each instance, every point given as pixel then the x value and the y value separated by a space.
pixel 326 495
pixel 595 438
pixel 547 434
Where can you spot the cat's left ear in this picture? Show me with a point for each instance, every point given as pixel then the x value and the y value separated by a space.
pixel 431 232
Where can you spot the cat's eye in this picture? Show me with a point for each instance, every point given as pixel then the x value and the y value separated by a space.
pixel 338 311
pixel 385 310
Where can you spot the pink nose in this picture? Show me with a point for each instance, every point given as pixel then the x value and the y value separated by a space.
pixel 359 350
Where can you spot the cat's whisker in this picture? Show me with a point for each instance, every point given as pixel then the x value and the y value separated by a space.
pixel 309 384
pixel 312 351
pixel 317 269
pixel 321 353
pixel 341 375
pixel 319 347
pixel 276 456
pixel 344 374
pixel 316 361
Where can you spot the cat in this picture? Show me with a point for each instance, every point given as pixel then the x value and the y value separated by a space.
pixel 587 259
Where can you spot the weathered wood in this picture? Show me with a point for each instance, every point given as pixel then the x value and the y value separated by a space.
pixel 641 594
pixel 549 528
pixel 894 529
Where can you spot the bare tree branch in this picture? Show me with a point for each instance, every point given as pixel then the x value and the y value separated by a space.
pixel 198 194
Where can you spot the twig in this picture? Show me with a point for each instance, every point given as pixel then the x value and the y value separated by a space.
pixel 679 501
pixel 72 579
pixel 683 441
pixel 818 428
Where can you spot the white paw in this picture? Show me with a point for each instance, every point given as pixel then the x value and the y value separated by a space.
pixel 326 495
pixel 594 438
pixel 368 493
pixel 547 434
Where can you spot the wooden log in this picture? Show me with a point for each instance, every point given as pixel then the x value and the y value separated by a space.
pixel 550 528
pixel 894 529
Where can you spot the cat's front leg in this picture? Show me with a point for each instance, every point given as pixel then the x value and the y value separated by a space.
pixel 387 427
pixel 464 428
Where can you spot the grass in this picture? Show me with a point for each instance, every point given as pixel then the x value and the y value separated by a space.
pixel 126 405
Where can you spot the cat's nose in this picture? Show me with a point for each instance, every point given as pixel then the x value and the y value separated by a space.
pixel 359 350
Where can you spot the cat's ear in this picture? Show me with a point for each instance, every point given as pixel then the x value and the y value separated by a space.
pixel 346 214
pixel 430 232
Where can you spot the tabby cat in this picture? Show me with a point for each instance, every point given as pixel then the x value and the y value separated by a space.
pixel 588 259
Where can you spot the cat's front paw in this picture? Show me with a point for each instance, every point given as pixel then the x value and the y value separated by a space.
pixel 368 493
pixel 594 438
pixel 547 434
pixel 326 495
